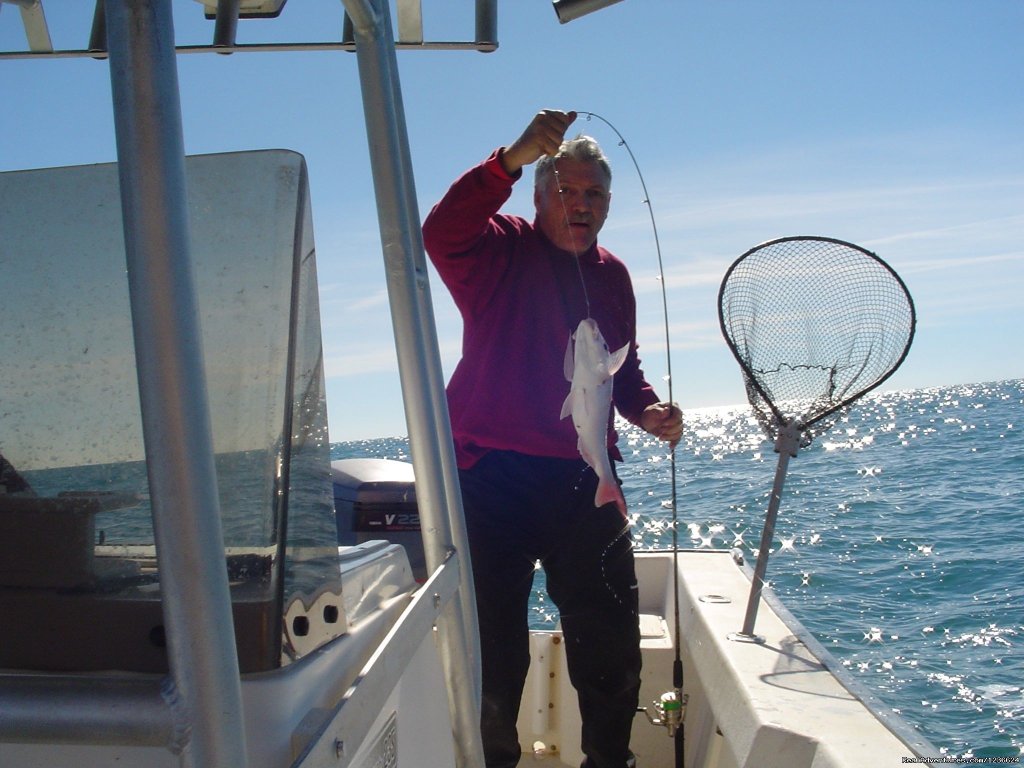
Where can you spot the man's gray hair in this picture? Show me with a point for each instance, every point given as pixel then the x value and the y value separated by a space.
pixel 582 148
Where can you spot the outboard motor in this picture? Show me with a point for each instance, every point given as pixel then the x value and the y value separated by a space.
pixel 375 499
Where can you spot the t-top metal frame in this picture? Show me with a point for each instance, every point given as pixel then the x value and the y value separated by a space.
pixel 204 683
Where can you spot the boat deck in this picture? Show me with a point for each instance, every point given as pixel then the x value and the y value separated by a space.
pixel 545 761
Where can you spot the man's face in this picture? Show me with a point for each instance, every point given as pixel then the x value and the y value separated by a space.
pixel 573 204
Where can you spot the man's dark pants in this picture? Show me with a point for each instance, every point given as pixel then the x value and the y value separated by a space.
pixel 521 509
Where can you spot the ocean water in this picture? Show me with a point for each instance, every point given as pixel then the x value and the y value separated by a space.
pixel 898 543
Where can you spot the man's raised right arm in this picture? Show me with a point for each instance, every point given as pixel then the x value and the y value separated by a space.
pixel 543 136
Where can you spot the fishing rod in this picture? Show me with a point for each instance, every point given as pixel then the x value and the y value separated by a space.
pixel 671 707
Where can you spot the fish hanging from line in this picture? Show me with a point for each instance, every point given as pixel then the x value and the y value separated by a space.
pixel 589 366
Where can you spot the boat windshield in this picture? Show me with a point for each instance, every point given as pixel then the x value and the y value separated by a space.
pixel 75 517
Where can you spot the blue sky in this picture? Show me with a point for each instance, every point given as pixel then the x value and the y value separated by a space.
pixel 895 125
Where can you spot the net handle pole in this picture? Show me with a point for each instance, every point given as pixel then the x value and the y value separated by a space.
pixel 787 444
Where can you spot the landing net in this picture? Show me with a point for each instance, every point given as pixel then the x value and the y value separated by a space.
pixel 815 323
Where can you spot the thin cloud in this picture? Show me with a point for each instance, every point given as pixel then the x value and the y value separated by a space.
pixel 380 357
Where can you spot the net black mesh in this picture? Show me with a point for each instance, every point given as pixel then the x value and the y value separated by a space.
pixel 815 323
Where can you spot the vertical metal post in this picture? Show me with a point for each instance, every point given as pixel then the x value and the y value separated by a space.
pixel 175 417
pixel 437 488
pixel 226 25
pixel 487 22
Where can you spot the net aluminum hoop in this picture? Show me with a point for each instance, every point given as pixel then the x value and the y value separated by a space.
pixel 750 378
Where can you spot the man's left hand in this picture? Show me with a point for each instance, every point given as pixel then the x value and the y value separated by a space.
pixel 664 421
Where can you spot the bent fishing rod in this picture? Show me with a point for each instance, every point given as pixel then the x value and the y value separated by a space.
pixel 671 708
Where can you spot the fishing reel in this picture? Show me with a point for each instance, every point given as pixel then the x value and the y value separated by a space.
pixel 670 711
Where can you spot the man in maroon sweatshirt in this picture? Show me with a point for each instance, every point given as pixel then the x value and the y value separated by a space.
pixel 522 288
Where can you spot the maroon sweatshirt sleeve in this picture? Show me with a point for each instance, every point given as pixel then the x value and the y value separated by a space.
pixel 467 241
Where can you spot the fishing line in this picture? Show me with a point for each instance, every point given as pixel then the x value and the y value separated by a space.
pixel 572 235
pixel 664 303
pixel 677 667
pixel 657 248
